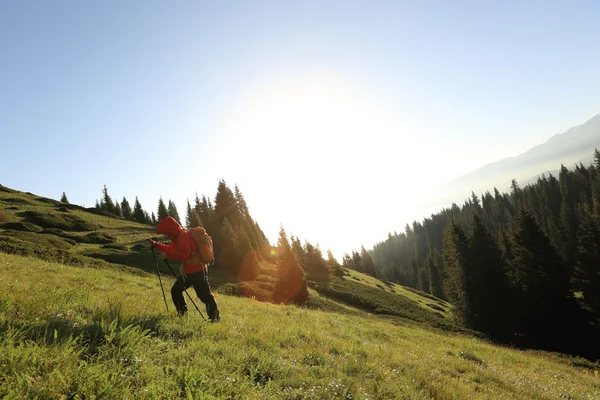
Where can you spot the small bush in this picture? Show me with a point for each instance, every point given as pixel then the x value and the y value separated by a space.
pixel 58 221
pixel 3 216
pixel 69 207
pixel 71 238
pixel 22 226
pixel 436 307
pixel 44 251
pixel 115 246
pixel 139 247
pixel 467 355
pixel 15 200
pixel 47 200
pixel 262 291
pixel 229 289
pixel 100 238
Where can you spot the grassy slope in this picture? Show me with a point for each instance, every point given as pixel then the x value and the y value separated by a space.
pixel 354 321
pixel 67 332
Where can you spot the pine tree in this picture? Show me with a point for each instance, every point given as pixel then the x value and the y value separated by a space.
pixel 414 281
pixel 588 258
pixel 489 285
pixel 118 211
pixel 196 221
pixel 138 212
pixel 106 203
pixel 225 205
pixel 315 266
pixel 347 262
pixel 435 277
pixel 299 251
pixel 357 262
pixel 334 266
pixel 172 210
pixel 291 286
pixel 126 209
pixel 367 261
pixel 455 256
pixel 542 289
pixel 423 280
pixel 228 257
pixel 241 204
pixel 153 219
pixel 189 215
pixel 64 199
pixel 283 244
pixel 249 267
pixel 162 210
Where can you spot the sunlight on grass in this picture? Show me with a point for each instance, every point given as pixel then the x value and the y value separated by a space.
pixel 69 331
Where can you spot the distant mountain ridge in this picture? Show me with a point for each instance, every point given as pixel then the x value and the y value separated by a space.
pixel 575 145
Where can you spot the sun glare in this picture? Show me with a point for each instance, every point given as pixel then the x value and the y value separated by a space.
pixel 323 146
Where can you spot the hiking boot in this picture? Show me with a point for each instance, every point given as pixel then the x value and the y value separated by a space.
pixel 215 317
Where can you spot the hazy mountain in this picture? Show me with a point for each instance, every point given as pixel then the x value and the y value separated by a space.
pixel 575 145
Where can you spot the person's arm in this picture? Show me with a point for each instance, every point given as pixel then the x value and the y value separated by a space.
pixel 172 252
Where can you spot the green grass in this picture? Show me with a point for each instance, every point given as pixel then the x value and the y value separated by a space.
pixel 424 300
pixel 360 294
pixel 82 316
pixel 70 332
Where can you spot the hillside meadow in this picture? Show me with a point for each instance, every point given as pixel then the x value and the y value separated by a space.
pixel 69 332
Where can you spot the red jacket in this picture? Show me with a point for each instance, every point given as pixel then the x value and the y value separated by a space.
pixel 182 247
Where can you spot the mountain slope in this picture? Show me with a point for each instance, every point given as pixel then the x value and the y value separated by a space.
pixel 575 145
pixel 53 231
pixel 96 332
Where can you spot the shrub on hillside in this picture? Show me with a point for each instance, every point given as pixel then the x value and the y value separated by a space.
pixel 69 206
pixel 44 251
pixel 15 200
pixel 100 238
pixel 71 238
pixel 22 226
pixel 139 247
pixel 5 189
pixel 115 246
pixel 47 200
pixel 262 291
pixel 229 289
pixel 58 221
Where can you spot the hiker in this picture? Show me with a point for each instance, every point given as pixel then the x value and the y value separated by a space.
pixel 183 247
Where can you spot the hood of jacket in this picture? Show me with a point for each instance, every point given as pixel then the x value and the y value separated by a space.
pixel 168 225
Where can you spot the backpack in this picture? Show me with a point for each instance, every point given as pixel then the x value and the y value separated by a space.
pixel 204 244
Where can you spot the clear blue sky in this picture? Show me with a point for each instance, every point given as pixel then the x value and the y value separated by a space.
pixel 325 113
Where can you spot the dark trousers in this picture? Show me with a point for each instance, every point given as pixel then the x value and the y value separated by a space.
pixel 199 280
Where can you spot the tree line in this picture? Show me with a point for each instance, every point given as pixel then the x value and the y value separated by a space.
pixel 522 267
pixel 239 243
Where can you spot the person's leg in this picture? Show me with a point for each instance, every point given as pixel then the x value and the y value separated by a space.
pixel 202 287
pixel 177 294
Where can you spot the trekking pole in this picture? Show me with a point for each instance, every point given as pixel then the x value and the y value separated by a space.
pixel 190 297
pixel 159 279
